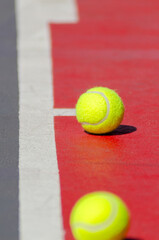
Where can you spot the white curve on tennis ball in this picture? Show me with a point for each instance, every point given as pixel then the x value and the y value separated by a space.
pixel 108 109
pixel 100 226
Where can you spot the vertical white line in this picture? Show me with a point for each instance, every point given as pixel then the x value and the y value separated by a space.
pixel 40 210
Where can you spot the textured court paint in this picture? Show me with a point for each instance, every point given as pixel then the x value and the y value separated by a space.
pixel 115 44
pixel 40 209
pixel 9 123
pixel 113 163
pixel 108 45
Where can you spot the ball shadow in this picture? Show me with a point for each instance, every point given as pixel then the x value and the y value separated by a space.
pixel 121 130
pixel 133 239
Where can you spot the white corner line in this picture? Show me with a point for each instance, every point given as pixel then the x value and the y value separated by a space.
pixel 40 214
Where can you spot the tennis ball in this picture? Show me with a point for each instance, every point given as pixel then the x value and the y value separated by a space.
pixel 99 216
pixel 99 110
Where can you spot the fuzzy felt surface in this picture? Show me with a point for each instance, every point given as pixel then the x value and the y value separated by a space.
pixel 92 108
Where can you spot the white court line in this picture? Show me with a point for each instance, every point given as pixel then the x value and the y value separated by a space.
pixel 40 210
pixel 64 112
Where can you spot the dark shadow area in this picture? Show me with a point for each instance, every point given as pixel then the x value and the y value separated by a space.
pixel 122 129
pixel 133 239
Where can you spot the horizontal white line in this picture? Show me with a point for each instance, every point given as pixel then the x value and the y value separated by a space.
pixel 64 112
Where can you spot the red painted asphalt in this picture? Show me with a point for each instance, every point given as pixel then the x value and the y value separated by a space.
pixel 115 44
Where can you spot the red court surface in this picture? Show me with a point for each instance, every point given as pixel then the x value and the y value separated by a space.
pixel 89 163
pixel 114 44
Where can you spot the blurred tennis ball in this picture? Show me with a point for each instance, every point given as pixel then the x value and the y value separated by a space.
pixel 99 216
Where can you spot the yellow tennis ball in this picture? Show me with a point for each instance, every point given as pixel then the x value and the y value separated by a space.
pixel 99 216
pixel 99 110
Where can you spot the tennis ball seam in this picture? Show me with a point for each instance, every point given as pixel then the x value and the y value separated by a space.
pixel 108 109
pixel 99 227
